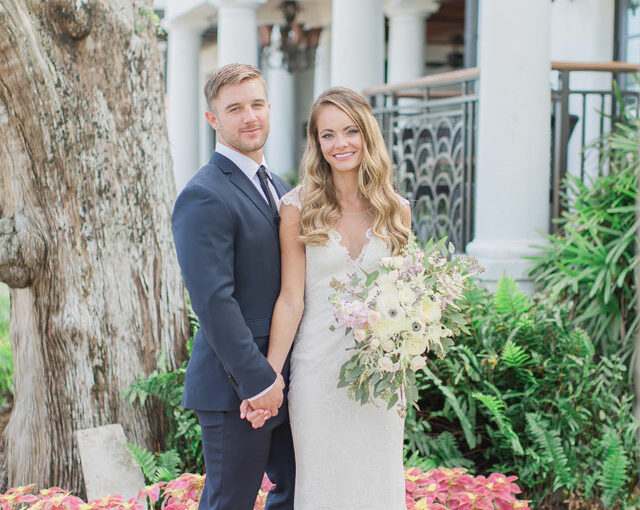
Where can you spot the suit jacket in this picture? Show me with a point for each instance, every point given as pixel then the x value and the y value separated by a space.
pixel 226 239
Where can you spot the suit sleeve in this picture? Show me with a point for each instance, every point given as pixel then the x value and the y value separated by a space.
pixel 204 239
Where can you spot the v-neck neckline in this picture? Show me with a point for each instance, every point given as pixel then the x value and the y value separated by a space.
pixel 337 237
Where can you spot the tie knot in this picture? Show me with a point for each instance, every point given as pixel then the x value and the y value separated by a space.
pixel 262 173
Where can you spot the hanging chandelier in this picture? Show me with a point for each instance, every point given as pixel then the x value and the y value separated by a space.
pixel 290 46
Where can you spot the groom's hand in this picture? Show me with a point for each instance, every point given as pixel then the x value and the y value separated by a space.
pixel 272 400
pixel 257 417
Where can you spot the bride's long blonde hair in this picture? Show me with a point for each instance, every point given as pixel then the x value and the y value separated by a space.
pixel 320 206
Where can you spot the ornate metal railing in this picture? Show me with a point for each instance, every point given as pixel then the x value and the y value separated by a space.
pixel 585 101
pixel 430 129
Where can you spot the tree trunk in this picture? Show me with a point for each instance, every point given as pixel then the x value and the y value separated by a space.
pixel 86 190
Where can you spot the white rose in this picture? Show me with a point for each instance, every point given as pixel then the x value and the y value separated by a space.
pixel 417 362
pixel 430 311
pixel 406 295
pixel 385 329
pixel 374 343
pixel 360 335
pixel 388 345
pixel 433 334
pixel 385 364
pixel 416 344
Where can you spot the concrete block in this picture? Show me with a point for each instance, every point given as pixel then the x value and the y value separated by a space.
pixel 107 465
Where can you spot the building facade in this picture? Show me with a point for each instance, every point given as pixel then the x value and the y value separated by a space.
pixel 306 46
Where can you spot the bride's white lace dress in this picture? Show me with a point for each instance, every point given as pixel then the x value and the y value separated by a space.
pixel 348 456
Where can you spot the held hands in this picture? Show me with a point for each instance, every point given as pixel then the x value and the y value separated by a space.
pixel 259 410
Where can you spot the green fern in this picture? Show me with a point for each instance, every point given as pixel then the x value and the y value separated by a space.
pixel 453 401
pixel 145 459
pixel 614 469
pixel 169 462
pixel 162 467
pixel 514 355
pixel 496 407
pixel 508 299
pixel 548 441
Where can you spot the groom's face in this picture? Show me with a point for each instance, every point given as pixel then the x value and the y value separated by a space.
pixel 240 116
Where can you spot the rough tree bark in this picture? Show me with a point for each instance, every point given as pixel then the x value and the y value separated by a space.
pixel 86 190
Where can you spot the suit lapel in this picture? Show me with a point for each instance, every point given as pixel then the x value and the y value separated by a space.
pixel 280 187
pixel 242 182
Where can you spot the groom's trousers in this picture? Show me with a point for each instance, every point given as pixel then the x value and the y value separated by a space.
pixel 236 456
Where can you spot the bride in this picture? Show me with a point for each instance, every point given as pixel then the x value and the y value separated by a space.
pixel 344 216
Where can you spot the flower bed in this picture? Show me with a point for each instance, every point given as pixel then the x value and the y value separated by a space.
pixel 437 489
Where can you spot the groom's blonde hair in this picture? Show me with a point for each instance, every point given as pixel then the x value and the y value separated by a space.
pixel 231 74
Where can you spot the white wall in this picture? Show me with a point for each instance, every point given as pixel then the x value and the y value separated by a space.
pixel 583 31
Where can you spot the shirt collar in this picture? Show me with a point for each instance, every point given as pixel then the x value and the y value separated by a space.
pixel 248 166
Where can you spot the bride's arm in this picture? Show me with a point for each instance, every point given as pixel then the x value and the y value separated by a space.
pixel 406 215
pixel 290 303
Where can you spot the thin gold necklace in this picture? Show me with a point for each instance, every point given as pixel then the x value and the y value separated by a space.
pixel 352 213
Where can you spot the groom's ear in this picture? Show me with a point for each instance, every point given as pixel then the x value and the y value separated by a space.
pixel 212 119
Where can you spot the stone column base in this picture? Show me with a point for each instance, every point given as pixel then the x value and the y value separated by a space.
pixel 500 257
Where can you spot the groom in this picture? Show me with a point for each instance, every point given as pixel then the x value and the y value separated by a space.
pixel 225 227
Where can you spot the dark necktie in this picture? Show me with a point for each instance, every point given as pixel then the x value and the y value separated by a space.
pixel 264 178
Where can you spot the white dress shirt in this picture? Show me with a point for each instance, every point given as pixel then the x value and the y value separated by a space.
pixel 250 168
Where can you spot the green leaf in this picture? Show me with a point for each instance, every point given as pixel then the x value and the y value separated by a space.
pixel 453 401
pixel 496 406
pixel 514 355
pixel 371 277
pixel 508 299
pixel 614 469
pixel 145 459
pixel 550 446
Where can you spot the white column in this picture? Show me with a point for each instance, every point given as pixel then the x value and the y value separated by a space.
pixel 407 38
pixel 183 97
pixel 512 177
pixel 280 149
pixel 569 22
pixel 322 70
pixel 357 43
pixel 238 31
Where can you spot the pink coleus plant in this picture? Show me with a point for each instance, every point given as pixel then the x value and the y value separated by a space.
pixel 437 489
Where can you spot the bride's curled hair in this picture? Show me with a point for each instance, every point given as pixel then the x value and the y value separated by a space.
pixel 320 206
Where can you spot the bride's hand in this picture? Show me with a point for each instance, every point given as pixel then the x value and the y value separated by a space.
pixel 257 417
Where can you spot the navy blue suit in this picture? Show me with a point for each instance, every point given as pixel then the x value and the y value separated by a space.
pixel 226 239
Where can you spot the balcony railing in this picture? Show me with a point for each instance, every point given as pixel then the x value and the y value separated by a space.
pixel 430 126
pixel 430 129
pixel 584 105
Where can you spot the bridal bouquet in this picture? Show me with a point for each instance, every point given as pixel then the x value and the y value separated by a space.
pixel 409 307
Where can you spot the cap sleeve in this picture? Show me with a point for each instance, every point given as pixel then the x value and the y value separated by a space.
pixel 293 198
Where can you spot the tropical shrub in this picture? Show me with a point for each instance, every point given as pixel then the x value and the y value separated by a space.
pixel 434 490
pixel 590 261
pixel 526 394
pixel 183 441
pixel 6 358
pixel 4 312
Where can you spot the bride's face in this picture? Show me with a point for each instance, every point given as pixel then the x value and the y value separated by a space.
pixel 340 139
